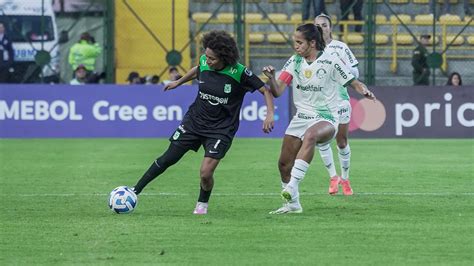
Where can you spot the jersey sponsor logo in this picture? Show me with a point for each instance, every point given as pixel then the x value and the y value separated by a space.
pixel 227 88
pixel 336 46
pixel 308 73
pixel 248 72
pixel 305 116
pixel 320 73
pixel 343 110
pixel 214 100
pixel 325 61
pixel 348 53
pixel 341 72
pixel 310 87
pixel 336 54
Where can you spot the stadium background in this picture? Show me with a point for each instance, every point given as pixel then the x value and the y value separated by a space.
pixel 150 36
pixel 262 28
pixel 59 158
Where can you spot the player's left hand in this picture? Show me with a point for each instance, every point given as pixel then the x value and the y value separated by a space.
pixel 269 71
pixel 170 86
pixel 370 95
pixel 268 124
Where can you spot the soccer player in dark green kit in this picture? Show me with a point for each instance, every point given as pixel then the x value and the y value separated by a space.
pixel 213 119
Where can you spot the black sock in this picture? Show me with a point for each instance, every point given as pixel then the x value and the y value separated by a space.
pixel 169 158
pixel 204 195
pixel 148 176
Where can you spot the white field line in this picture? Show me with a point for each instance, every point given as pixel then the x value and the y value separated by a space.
pixel 442 194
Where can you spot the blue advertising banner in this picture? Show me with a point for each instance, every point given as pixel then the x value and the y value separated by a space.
pixel 64 111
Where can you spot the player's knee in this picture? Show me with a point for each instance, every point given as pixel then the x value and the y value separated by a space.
pixel 341 142
pixel 170 157
pixel 206 174
pixel 311 137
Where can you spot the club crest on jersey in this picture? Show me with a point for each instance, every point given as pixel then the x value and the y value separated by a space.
pixel 320 73
pixel 176 135
pixel 227 88
pixel 308 73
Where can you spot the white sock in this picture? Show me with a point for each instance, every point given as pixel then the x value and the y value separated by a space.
pixel 283 185
pixel 326 155
pixel 345 160
pixel 297 173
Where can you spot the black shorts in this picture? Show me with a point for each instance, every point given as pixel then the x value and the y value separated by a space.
pixel 214 146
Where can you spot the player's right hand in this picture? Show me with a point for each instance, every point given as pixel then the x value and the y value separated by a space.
pixel 171 85
pixel 269 71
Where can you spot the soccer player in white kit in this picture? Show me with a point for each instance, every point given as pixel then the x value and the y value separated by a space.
pixel 315 77
pixel 339 49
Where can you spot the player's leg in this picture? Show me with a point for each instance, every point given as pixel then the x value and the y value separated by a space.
pixel 214 150
pixel 289 149
pixel 181 142
pixel 208 166
pixel 319 133
pixel 344 154
pixel 325 151
pixel 171 156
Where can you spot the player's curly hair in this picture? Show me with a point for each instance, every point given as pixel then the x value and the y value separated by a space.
pixel 312 32
pixel 223 45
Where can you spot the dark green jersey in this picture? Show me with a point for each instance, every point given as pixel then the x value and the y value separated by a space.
pixel 221 93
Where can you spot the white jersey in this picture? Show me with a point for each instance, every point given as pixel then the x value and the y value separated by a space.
pixel 340 49
pixel 315 85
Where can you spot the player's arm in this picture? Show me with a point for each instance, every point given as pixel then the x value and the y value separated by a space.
pixel 192 74
pixel 269 121
pixel 277 87
pixel 362 89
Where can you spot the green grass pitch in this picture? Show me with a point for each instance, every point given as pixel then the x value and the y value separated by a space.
pixel 413 205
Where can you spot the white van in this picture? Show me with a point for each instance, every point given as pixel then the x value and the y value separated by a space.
pixel 31 27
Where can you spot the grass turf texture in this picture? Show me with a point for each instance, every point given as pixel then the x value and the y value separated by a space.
pixel 413 205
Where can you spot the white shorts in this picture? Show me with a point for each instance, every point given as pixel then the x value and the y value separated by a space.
pixel 301 122
pixel 344 112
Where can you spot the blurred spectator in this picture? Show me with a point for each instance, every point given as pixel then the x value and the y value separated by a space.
pixel 84 52
pixel 447 7
pixel 173 75
pixel 152 80
pixel 421 71
pixel 318 6
pixel 356 8
pixel 454 79
pixel 134 78
pixel 155 79
pixel 80 75
pixel 6 56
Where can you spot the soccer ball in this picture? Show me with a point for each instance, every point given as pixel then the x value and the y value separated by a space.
pixel 122 200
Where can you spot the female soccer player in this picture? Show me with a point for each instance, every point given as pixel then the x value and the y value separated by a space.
pixel 315 77
pixel 339 49
pixel 213 119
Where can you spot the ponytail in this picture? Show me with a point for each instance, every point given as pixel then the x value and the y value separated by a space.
pixel 322 43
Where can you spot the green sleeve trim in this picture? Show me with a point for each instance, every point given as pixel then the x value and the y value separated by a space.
pixel 349 82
